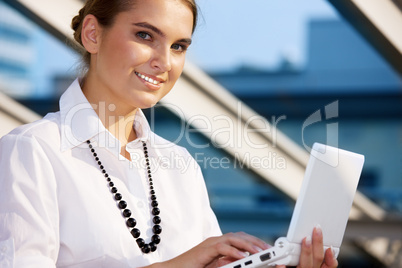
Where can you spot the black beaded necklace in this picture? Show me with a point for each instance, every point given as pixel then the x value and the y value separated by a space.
pixel 126 213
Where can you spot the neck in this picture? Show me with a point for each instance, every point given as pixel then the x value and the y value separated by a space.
pixel 116 117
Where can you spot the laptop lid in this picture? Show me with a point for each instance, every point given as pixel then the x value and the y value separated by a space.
pixel 326 194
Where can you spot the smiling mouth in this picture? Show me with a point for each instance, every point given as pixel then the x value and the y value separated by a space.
pixel 147 79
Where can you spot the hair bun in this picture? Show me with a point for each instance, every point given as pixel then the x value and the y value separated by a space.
pixel 76 25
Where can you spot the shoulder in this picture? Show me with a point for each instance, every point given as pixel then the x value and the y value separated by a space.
pixel 46 130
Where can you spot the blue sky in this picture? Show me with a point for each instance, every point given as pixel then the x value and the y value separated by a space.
pixel 254 32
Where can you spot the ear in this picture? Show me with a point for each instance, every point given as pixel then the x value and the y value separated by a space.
pixel 90 34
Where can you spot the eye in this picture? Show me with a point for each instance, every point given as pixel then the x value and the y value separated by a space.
pixel 179 47
pixel 144 35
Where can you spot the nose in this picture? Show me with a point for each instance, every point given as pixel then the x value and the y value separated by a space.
pixel 162 59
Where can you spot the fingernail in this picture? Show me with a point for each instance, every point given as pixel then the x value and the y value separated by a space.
pixel 307 241
pixel 267 246
pixel 318 230
pixel 333 252
pixel 243 254
pixel 258 249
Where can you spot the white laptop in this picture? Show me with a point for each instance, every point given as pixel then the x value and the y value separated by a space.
pixel 325 199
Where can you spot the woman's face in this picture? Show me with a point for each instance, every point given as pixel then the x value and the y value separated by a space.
pixel 141 56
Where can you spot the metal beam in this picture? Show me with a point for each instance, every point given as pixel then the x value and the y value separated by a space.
pixel 13 114
pixel 379 22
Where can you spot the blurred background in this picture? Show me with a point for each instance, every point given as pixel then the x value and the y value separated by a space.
pixel 285 60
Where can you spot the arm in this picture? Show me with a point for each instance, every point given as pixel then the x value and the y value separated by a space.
pixel 28 204
pixel 216 251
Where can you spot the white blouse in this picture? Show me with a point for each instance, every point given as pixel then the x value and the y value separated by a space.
pixel 56 208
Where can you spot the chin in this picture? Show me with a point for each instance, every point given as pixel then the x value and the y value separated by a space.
pixel 147 105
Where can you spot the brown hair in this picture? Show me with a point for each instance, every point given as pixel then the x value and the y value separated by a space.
pixel 105 12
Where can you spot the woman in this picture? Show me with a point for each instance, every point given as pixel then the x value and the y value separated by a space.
pixel 81 187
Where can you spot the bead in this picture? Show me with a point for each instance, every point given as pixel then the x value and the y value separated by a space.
pixel 157 229
pixel 146 249
pixel 156 239
pixel 122 204
pixel 155 211
pixel 153 246
pixel 131 222
pixel 135 233
pixel 140 242
pixel 156 220
pixel 127 213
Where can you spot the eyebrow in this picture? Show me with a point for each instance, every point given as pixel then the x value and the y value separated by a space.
pixel 159 32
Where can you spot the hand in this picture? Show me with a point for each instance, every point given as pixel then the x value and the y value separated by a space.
pixel 313 255
pixel 217 251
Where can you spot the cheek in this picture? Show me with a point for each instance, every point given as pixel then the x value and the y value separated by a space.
pixel 177 64
pixel 138 54
pixel 129 56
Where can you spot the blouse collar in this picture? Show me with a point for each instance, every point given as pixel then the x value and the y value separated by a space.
pixel 79 123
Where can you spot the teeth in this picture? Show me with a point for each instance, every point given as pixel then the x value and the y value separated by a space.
pixel 148 79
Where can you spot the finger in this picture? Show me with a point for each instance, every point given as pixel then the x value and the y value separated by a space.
pixel 280 266
pixel 318 247
pixel 225 260
pixel 261 245
pixel 246 242
pixel 226 249
pixel 306 254
pixel 329 259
